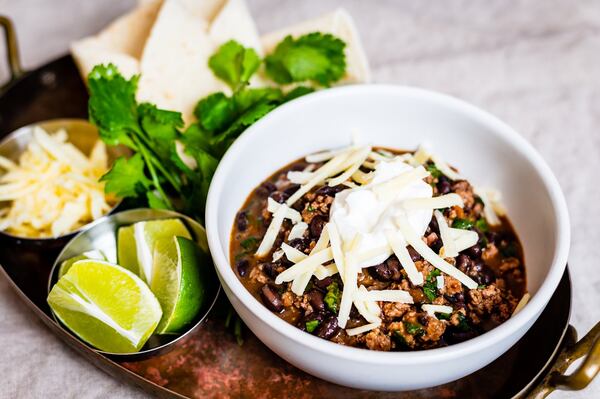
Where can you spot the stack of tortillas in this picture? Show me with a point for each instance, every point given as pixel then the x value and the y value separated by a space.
pixel 169 43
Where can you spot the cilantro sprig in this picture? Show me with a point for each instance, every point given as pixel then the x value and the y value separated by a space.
pixel 172 168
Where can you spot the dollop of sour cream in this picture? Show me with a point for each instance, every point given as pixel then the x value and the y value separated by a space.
pixel 359 211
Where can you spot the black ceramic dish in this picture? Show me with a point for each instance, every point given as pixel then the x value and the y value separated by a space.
pixel 531 368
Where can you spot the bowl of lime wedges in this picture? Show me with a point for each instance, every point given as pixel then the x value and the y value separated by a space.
pixel 134 283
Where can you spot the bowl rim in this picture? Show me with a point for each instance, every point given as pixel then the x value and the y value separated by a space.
pixel 515 323
pixel 144 353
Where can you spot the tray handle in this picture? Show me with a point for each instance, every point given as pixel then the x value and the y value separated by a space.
pixel 588 346
pixel 12 50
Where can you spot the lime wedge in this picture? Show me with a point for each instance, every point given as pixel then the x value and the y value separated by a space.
pixel 126 250
pixel 136 247
pixel 106 305
pixel 176 282
pixel 66 265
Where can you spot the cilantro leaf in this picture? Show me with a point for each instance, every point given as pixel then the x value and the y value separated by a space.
pixel 332 298
pixel 482 225
pixel 413 328
pixel 112 106
pixel 234 63
pixel 159 124
pixel 430 286
pixel 155 201
pixel 433 169
pixel 313 57
pixel 312 325
pixel 297 92
pixel 246 98
pixel 215 112
pixel 126 178
pixel 464 224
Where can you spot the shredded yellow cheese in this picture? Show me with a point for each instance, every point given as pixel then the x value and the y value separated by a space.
pixel 53 188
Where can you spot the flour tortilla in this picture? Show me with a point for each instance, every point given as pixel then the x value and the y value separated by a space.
pixel 338 23
pixel 174 65
pixel 121 43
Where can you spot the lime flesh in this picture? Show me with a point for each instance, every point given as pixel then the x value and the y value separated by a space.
pixel 106 305
pixel 136 247
pixel 66 265
pixel 176 282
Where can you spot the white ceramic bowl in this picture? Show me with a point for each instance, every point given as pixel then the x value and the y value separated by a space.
pixel 486 151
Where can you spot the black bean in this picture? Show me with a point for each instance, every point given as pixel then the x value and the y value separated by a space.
pixel 299 243
pixel 328 328
pixel 481 273
pixel 473 252
pixel 242 267
pixel 443 185
pixel 463 263
pixel 315 298
pixel 414 255
pixel 316 225
pixel 299 205
pixel 271 298
pixel 241 221
pixel 436 245
pixel 270 269
pixel 388 270
pixel 265 189
pixel 291 189
pixel 279 196
pixel 423 319
pixel 433 227
pixel 458 298
pixel 323 284
pixel 329 191
pixel 298 167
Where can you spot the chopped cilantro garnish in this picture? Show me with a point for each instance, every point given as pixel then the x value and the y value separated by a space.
pixel 312 325
pixel 463 324
pixel 443 316
pixel 249 243
pixel 399 338
pixel 464 224
pixel 435 172
pixel 413 328
pixel 310 208
pixel 482 225
pixel 430 286
pixel 332 298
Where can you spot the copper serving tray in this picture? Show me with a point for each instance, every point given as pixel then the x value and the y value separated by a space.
pixel 210 363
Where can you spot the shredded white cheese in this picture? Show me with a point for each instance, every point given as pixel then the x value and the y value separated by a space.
pixel 362 329
pixel 334 166
pixel 433 309
pixel 385 296
pixel 292 253
pixel 297 231
pixel 443 201
pixel 350 280
pixel 53 188
pixel 387 190
pixel 445 169
pixel 399 247
pixel 326 155
pixel 439 282
pixel 299 177
pixel 309 264
pixel 272 231
pixel 463 239
pixel 446 236
pixel 322 272
pixel 278 255
pixel 430 256
pixel 355 160
pixel 488 208
pixel 421 156
pixel 292 214
pixel 336 247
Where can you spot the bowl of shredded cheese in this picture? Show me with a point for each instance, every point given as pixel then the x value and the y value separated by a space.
pixel 50 179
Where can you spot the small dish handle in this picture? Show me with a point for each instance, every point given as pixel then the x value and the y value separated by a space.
pixel 12 50
pixel 588 346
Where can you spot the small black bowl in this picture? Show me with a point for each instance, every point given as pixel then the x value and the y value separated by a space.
pixel 102 235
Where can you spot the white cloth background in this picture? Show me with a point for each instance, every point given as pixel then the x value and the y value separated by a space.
pixel 533 63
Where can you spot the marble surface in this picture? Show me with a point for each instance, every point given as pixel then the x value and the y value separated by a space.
pixel 533 63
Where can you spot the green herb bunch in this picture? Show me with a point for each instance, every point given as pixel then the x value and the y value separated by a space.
pixel 171 168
